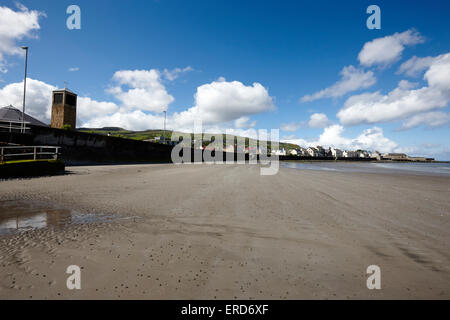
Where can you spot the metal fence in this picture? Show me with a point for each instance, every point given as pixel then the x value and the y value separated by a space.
pixel 14 126
pixel 29 153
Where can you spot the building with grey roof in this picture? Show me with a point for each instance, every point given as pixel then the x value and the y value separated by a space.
pixel 11 114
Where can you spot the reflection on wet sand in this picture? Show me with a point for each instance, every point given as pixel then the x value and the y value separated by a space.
pixel 20 215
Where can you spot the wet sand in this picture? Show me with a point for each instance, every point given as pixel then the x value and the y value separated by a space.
pixel 225 232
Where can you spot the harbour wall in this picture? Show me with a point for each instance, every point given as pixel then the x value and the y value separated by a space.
pixel 83 148
pixel 79 148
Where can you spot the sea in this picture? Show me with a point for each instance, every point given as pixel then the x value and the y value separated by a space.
pixel 438 169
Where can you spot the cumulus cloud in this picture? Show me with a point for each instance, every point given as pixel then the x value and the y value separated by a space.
pixel 352 79
pixel 14 26
pixel 133 120
pixel 219 104
pixel 373 139
pixel 387 50
pixel 144 90
pixel 318 120
pixel 403 101
pixel 414 66
pixel 291 127
pixel 138 120
pixel 429 119
pixel 332 136
pixel 221 101
pixel 139 91
pixel 38 102
pixel 88 109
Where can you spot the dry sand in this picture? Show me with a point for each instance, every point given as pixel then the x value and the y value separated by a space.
pixel 225 232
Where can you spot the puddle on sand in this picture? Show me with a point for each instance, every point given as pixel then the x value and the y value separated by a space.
pixel 18 216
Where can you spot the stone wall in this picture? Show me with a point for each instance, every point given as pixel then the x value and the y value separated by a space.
pixel 86 148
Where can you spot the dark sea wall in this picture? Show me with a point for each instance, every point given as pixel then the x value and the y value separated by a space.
pixel 31 169
pixel 78 148
pixel 89 148
pixel 86 148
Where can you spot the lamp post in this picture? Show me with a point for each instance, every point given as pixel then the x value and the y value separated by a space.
pixel 164 135
pixel 24 88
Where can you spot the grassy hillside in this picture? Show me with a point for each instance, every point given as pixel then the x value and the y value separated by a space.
pixel 151 134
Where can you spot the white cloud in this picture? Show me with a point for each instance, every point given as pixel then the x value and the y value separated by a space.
pixel 175 73
pixel 222 101
pixel 74 69
pixel 133 120
pixel 438 75
pixel 38 99
pixel 332 136
pixel 373 139
pixel 242 132
pixel 387 50
pixel 430 119
pixel 318 120
pixel 291 127
pixel 15 25
pixel 244 122
pixel 145 90
pixel 414 66
pixel 88 109
pixel 218 104
pixel 138 120
pixel 402 102
pixel 352 79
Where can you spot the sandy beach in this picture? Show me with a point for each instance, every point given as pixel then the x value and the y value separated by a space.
pixel 226 232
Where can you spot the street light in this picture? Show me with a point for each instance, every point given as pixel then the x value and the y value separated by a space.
pixel 24 88
pixel 164 135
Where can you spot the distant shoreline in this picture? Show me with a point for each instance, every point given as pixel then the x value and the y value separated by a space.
pixel 365 161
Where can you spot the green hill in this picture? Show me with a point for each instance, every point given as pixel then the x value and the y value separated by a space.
pixel 152 134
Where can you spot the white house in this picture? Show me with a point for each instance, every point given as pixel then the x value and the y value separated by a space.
pixel 363 154
pixel 336 152
pixel 320 151
pixel 300 152
pixel 376 155
pixel 312 152
pixel 281 152
pixel 349 154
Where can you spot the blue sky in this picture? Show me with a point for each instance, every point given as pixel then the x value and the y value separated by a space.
pixel 214 52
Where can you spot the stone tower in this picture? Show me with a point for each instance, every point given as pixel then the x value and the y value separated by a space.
pixel 64 109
